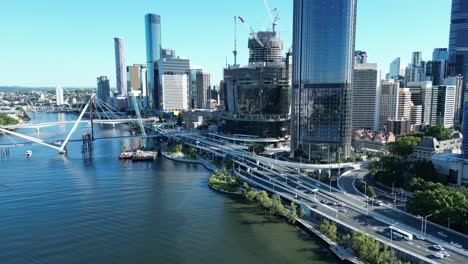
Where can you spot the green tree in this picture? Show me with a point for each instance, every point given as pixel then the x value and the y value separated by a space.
pixel 292 216
pixel 302 213
pixel 277 206
pixel 425 169
pixel 439 132
pixel 6 120
pixel 446 204
pixel 404 145
pixel 180 120
pixel 389 170
pixel 370 191
pixel 251 195
pixel 328 229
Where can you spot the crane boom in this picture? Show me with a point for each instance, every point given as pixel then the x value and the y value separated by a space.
pixel 252 32
pixel 275 19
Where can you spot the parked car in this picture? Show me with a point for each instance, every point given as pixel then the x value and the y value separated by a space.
pixel 343 211
pixel 445 253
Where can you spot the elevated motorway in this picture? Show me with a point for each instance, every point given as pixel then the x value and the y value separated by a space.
pixel 284 175
pixel 354 218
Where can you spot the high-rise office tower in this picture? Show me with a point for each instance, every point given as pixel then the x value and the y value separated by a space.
pixel 416 59
pixel 465 131
pixel 59 96
pixel 445 105
pixel 364 95
pixel 440 54
pixel 437 69
pixel 395 68
pixel 322 78
pixel 153 55
pixel 360 57
pixel 103 88
pixel 120 68
pixel 404 104
pixel 134 78
pixel 175 91
pixel 194 71
pixel 458 42
pixel 421 95
pixel 388 102
pixel 174 67
pixel 458 46
pixel 457 82
pixel 203 87
pixel 415 72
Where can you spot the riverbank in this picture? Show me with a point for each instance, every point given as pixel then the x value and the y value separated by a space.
pixel 181 158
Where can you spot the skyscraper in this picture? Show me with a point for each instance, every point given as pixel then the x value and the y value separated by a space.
pixel 153 55
pixel 364 95
pixel 59 96
pixel 203 88
pixel 103 88
pixel 120 68
pixel 458 42
pixel 322 78
pixel 458 45
pixel 174 67
pixel 388 102
pixel 395 68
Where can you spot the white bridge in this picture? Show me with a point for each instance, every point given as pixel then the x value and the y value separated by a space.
pixel 106 115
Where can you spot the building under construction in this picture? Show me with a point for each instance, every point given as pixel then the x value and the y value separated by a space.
pixel 257 96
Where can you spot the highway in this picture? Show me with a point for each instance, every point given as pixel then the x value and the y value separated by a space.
pixel 286 180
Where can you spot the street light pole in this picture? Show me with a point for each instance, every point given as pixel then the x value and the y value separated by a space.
pixel 425 223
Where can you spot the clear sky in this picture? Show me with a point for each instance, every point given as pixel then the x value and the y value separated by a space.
pixel 70 43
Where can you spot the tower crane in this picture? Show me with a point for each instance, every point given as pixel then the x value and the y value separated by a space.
pixel 274 19
pixel 252 32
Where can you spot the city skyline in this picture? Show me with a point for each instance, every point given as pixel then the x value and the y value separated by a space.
pixel 84 54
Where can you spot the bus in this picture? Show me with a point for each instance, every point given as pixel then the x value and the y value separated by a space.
pixel 400 233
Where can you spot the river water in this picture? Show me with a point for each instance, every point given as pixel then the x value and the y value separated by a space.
pixel 75 209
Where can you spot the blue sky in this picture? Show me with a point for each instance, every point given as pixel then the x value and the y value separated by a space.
pixel 70 43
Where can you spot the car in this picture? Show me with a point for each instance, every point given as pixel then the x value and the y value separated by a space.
pixel 438 255
pixel 438 247
pixel 314 206
pixel 445 253
pixel 307 191
pixel 442 234
pixel 323 201
pixel 420 237
pixel 341 204
pixel 335 203
pixel 343 211
pixel 455 244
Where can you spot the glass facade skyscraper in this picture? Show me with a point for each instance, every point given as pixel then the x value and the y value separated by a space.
pixel 153 55
pixel 323 52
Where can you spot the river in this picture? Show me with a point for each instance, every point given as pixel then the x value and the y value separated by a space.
pixel 75 209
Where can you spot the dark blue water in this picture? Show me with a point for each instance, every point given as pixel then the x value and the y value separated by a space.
pixel 74 209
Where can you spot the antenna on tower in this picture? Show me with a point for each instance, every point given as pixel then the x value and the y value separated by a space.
pixel 235 41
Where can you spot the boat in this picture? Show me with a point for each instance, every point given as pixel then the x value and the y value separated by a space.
pixel 126 155
pixel 141 155
pixel 28 153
